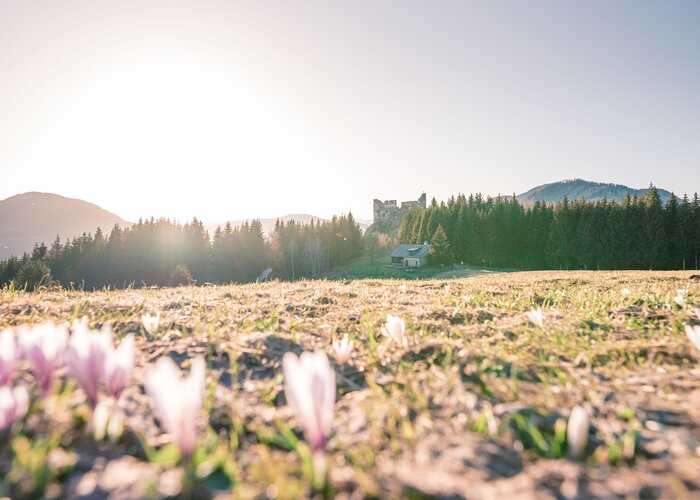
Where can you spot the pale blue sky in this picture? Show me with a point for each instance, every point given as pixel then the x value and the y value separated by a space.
pixel 229 109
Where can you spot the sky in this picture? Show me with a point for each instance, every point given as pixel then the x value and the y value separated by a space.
pixel 228 110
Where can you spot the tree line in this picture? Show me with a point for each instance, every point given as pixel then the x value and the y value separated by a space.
pixel 637 233
pixel 162 252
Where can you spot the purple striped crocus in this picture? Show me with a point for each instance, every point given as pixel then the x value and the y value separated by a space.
pixel 43 346
pixel 86 356
pixel 10 355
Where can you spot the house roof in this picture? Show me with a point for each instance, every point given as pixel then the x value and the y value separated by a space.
pixel 416 251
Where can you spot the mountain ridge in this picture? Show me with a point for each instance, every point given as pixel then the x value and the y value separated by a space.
pixel 580 189
pixel 35 217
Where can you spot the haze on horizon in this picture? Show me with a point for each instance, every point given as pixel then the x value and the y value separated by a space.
pixel 227 110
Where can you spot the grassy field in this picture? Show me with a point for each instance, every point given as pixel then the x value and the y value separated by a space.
pixel 378 268
pixel 475 406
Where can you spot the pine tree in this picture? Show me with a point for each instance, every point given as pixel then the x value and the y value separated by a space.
pixel 440 252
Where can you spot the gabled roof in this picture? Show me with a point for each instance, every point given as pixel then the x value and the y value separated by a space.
pixel 416 251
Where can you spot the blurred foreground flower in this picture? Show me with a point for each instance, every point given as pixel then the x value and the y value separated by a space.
pixel 342 349
pixel 693 333
pixel 150 322
pixel 577 432
pixel 177 401
pixel 309 385
pixel 86 355
pixel 9 355
pixel 43 346
pixel 119 364
pixel 680 298
pixel 14 403
pixel 107 420
pixel 395 329
pixel 534 316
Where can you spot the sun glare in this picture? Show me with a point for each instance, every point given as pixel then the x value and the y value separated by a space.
pixel 155 124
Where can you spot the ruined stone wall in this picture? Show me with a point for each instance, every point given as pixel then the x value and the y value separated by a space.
pixel 388 212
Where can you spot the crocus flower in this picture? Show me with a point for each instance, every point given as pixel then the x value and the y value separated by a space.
pixel 119 363
pixel 86 355
pixel 626 291
pixel 309 385
pixel 680 298
pixel 177 401
pixel 395 329
pixel 577 432
pixel 534 316
pixel 342 349
pixel 107 420
pixel 447 289
pixel 9 355
pixel 43 346
pixel 150 322
pixel 693 333
pixel 14 403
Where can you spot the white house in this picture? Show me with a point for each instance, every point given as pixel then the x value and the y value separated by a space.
pixel 410 255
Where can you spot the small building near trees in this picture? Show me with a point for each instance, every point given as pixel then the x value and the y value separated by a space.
pixel 407 255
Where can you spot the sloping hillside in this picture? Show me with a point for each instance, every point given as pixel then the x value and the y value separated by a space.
pixel 579 189
pixel 28 218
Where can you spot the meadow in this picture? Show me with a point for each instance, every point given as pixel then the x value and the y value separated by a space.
pixel 472 400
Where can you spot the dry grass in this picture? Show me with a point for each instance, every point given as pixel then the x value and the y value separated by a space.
pixel 473 407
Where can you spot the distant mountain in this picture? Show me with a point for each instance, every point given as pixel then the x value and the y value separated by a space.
pixel 29 218
pixel 578 189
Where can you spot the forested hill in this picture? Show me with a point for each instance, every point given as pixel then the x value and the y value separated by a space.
pixel 29 218
pixel 639 233
pixel 578 189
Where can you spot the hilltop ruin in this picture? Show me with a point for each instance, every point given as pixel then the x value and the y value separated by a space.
pixel 388 212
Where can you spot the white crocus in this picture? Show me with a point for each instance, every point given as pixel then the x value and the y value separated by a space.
pixel 693 333
pixel 309 386
pixel 14 403
pixel 150 322
pixel 177 401
pixel 119 364
pixel 9 355
pixel 342 349
pixel 577 432
pixel 395 329
pixel 534 316
pixel 680 298
pixel 107 420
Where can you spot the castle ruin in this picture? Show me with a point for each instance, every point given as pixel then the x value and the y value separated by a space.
pixel 388 212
